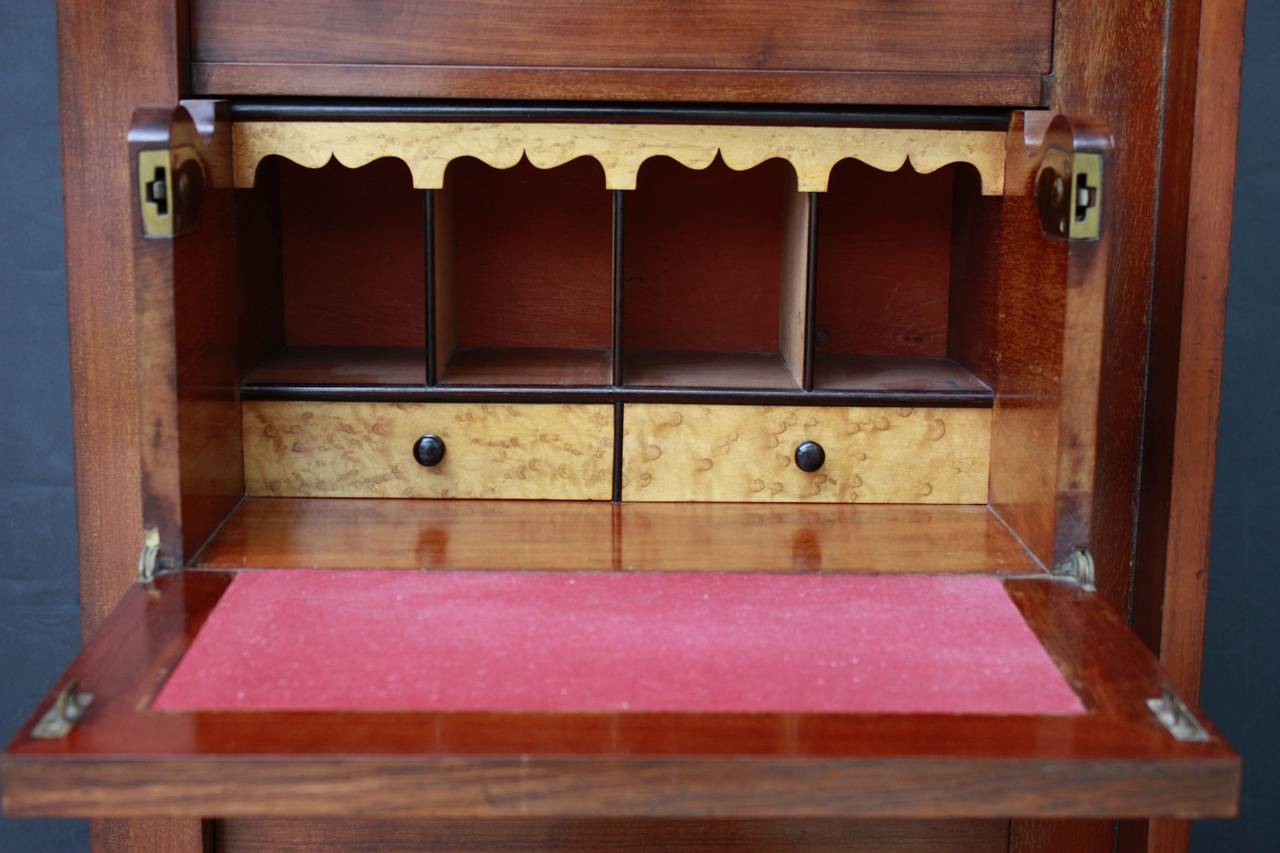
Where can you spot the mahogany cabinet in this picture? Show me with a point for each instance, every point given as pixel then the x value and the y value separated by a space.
pixel 714 425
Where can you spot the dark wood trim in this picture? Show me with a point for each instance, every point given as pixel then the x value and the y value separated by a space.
pixel 123 758
pixel 619 252
pixel 811 296
pixel 429 261
pixel 604 394
pixel 619 430
pixel 836 115
pixel 621 84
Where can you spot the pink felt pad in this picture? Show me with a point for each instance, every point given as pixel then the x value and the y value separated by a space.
pixel 377 640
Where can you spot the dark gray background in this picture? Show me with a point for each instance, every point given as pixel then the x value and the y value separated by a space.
pixel 39 622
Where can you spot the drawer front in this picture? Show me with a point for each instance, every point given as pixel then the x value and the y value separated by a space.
pixel 747 453
pixel 539 452
pixel 998 36
pixel 754 50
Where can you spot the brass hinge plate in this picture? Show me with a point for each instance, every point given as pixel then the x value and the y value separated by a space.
pixel 1069 194
pixel 1177 718
pixel 66 711
pixel 170 191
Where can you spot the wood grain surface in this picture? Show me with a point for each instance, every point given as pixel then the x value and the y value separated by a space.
pixel 817 538
pixel 428 148
pixel 1002 36
pixel 338 533
pixel 295 449
pixel 703 259
pixel 602 836
pixel 884 262
pixel 529 257
pixel 849 51
pixel 360 80
pixel 1045 435
pixel 352 256
pixel 744 453
pixel 187 356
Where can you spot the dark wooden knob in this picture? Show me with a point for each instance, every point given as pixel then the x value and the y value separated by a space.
pixel 429 450
pixel 810 456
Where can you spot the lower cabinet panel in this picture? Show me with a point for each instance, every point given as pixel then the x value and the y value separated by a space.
pixel 747 453
pixel 358 450
pixel 756 836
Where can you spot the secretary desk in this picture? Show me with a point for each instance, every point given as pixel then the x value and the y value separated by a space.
pixel 655 425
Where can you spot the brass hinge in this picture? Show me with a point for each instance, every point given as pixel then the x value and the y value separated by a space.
pixel 1079 567
pixel 67 710
pixel 1177 718
pixel 1069 194
pixel 150 564
pixel 170 191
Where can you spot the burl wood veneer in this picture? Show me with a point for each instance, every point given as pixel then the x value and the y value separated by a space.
pixel 295 449
pixel 745 453
pixel 621 149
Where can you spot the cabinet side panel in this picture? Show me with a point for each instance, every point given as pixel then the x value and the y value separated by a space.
pixel 109 64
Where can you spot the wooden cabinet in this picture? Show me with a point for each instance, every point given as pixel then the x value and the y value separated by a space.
pixel 741 402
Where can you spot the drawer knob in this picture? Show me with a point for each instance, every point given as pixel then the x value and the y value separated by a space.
pixel 429 450
pixel 810 456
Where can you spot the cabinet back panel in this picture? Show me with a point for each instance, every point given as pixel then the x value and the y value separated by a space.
pixel 531 256
pixel 884 262
pixel 703 257
pixel 353 256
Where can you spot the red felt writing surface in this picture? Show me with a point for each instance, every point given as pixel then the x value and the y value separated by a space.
pixel 374 640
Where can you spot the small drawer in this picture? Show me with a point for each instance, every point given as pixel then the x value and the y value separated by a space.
pixel 749 453
pixel 539 452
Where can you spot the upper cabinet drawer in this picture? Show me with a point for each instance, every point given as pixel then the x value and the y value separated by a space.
pixel 428 450
pixel 739 50
pixel 815 454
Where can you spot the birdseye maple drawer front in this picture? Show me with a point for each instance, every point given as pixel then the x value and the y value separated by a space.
pixel 761 453
pixel 428 450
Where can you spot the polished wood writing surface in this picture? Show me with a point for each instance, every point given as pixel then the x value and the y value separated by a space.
pixel 125 759
pixel 336 533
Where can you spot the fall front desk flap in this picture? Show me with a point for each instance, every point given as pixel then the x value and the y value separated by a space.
pixel 456 641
